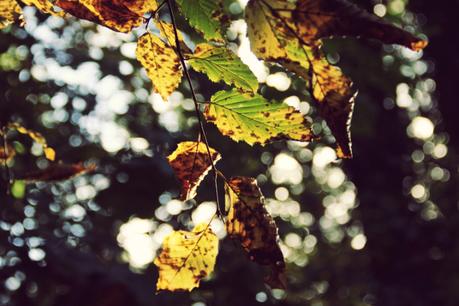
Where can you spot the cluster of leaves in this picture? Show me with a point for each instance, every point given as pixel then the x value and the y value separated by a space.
pixel 285 32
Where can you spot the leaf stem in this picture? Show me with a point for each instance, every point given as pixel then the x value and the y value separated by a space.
pixel 202 131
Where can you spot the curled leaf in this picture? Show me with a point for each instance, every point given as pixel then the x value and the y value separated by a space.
pixel 57 172
pixel 316 19
pixel 250 223
pixel 186 258
pixel 190 162
pixel 250 118
pixel 161 62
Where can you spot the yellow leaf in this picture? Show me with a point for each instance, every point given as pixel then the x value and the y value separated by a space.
pixel 49 153
pixel 161 62
pixel 190 162
pixel 45 6
pixel 186 258
pixel 250 223
pixel 10 11
pixel 7 153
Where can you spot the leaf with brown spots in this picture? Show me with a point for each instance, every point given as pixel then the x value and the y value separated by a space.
pixel 57 172
pixel 7 153
pixel 203 15
pixel 251 118
pixel 316 19
pixel 117 15
pixel 221 64
pixel 190 162
pixel 161 62
pixel 186 258
pixel 249 222
pixel 45 6
pixel 35 136
pixel 10 12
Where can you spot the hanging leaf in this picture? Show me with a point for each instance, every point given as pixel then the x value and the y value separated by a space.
pixel 6 154
pixel 316 19
pixel 186 258
pixel 250 223
pixel 121 16
pixel 35 136
pixel 168 34
pixel 45 6
pixel 202 15
pixel 10 12
pixel 221 64
pixel 161 62
pixel 249 117
pixel 57 172
pixel 190 162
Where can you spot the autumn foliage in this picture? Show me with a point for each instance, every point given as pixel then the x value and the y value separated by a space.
pixel 281 32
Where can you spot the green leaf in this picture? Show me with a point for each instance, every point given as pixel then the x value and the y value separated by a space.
pixel 201 15
pixel 221 64
pixel 251 118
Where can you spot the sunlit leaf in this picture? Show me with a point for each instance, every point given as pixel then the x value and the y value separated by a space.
pixel 45 6
pixel 168 34
pixel 318 19
pixel 35 136
pixel 186 258
pixel 56 172
pixel 221 64
pixel 191 163
pixel 251 118
pixel 161 62
pixel 118 15
pixel 202 14
pixel 10 11
pixel 6 154
pixel 250 223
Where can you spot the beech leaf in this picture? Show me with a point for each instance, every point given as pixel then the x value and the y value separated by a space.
pixel 249 222
pixel 251 118
pixel 161 62
pixel 190 162
pixel 186 258
pixel 45 6
pixel 221 64
pixel 57 172
pixel 10 12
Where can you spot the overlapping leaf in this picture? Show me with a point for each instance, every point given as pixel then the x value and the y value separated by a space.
pixel 161 62
pixel 117 15
pixel 186 258
pixel 191 163
pixel 221 64
pixel 10 11
pixel 250 223
pixel 288 32
pixel 249 117
pixel 35 136
pixel 202 14
pixel 316 19
pixel 56 172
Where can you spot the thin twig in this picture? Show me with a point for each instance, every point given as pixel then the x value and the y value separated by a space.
pixel 9 180
pixel 196 102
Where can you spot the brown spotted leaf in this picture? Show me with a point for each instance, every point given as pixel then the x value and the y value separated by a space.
pixel 117 15
pixel 190 162
pixel 249 222
pixel 161 62
pixel 186 258
pixel 316 19
pixel 251 118
pixel 10 12
pixel 56 172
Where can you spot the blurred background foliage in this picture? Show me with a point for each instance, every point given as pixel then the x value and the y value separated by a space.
pixel 380 229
